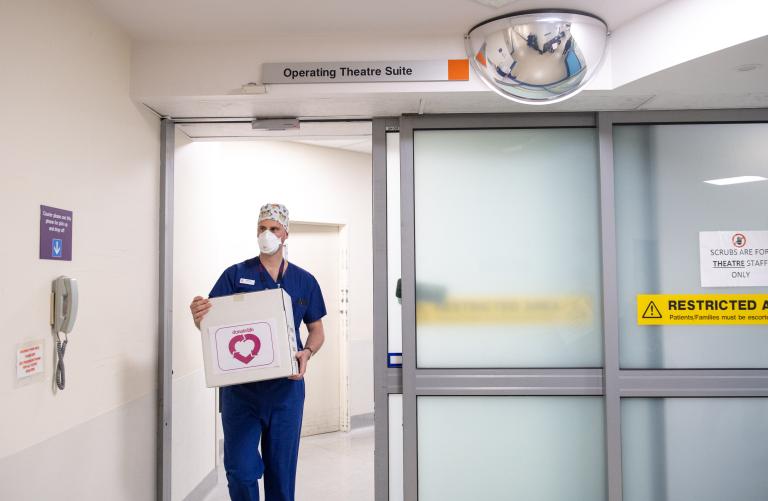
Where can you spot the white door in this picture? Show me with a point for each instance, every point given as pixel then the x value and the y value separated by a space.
pixel 316 248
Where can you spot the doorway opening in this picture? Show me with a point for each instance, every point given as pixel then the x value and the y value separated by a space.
pixel 223 173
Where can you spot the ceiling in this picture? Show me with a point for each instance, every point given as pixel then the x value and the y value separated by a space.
pixel 202 21
pixel 711 81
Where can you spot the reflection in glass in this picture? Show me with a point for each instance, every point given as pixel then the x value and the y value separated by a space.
pixel 663 202
pixel 683 449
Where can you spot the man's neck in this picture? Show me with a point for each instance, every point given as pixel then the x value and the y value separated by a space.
pixel 272 261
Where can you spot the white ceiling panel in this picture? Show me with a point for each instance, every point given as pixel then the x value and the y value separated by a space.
pixel 715 74
pixel 201 21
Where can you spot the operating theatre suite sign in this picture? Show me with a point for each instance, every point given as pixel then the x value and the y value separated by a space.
pixel 357 72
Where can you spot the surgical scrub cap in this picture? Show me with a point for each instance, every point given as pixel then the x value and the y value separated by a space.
pixel 275 212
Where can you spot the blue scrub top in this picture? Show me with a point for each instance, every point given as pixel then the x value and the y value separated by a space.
pixel 306 297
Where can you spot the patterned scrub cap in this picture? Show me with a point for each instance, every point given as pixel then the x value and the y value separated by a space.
pixel 275 212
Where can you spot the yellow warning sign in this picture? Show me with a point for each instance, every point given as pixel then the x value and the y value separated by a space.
pixel 652 311
pixel 702 309
pixel 543 310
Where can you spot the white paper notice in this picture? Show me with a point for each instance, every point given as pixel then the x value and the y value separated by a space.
pixel 245 346
pixel 29 360
pixel 733 258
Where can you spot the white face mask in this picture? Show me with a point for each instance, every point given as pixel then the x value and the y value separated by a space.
pixel 269 243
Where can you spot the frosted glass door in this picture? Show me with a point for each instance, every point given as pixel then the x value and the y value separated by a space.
pixel 663 202
pixel 707 449
pixel 509 448
pixel 507 248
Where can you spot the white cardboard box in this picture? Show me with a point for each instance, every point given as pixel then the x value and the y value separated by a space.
pixel 249 337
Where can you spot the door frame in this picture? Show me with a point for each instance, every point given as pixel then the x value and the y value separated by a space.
pixel 386 380
pixel 164 416
pixel 609 381
pixel 165 311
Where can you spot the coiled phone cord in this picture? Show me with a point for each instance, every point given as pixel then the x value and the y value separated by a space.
pixel 61 347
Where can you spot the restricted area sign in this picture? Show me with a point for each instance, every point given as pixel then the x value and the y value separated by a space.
pixel 702 309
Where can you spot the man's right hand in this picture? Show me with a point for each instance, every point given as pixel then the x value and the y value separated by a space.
pixel 199 308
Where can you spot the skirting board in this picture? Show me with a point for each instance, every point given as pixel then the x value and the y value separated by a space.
pixel 205 486
pixel 361 420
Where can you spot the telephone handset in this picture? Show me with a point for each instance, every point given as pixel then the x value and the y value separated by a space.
pixel 64 304
pixel 64 294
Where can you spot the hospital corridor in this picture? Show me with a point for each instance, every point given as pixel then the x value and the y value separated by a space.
pixel 446 250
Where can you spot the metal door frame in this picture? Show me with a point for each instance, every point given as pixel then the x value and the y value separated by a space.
pixel 165 301
pixel 386 380
pixel 610 381
pixel 165 311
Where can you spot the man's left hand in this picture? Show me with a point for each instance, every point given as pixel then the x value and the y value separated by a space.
pixel 303 358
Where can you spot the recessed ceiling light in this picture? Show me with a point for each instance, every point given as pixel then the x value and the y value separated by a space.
pixel 496 4
pixel 736 180
pixel 748 67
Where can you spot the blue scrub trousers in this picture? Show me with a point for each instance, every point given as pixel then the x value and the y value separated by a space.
pixel 270 411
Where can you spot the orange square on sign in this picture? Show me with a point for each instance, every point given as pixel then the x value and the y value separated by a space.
pixel 458 69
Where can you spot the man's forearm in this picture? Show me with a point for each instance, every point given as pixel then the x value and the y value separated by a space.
pixel 316 337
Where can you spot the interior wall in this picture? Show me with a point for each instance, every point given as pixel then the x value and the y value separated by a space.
pixel 220 69
pixel 219 188
pixel 72 138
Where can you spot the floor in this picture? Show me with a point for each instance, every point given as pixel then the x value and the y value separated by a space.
pixel 337 466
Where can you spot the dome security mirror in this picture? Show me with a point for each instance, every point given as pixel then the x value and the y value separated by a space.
pixel 537 57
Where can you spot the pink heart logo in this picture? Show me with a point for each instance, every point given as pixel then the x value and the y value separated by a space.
pixel 237 355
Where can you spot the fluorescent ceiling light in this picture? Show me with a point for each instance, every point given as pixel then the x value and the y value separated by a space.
pixel 736 180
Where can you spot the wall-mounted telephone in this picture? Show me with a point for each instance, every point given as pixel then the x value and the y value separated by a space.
pixel 64 298
pixel 64 304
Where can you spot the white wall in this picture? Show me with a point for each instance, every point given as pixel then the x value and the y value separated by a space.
pixel 217 69
pixel 72 138
pixel 219 189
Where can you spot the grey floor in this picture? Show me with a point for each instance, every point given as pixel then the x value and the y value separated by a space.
pixel 334 466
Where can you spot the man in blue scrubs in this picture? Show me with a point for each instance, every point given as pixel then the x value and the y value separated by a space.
pixel 270 411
